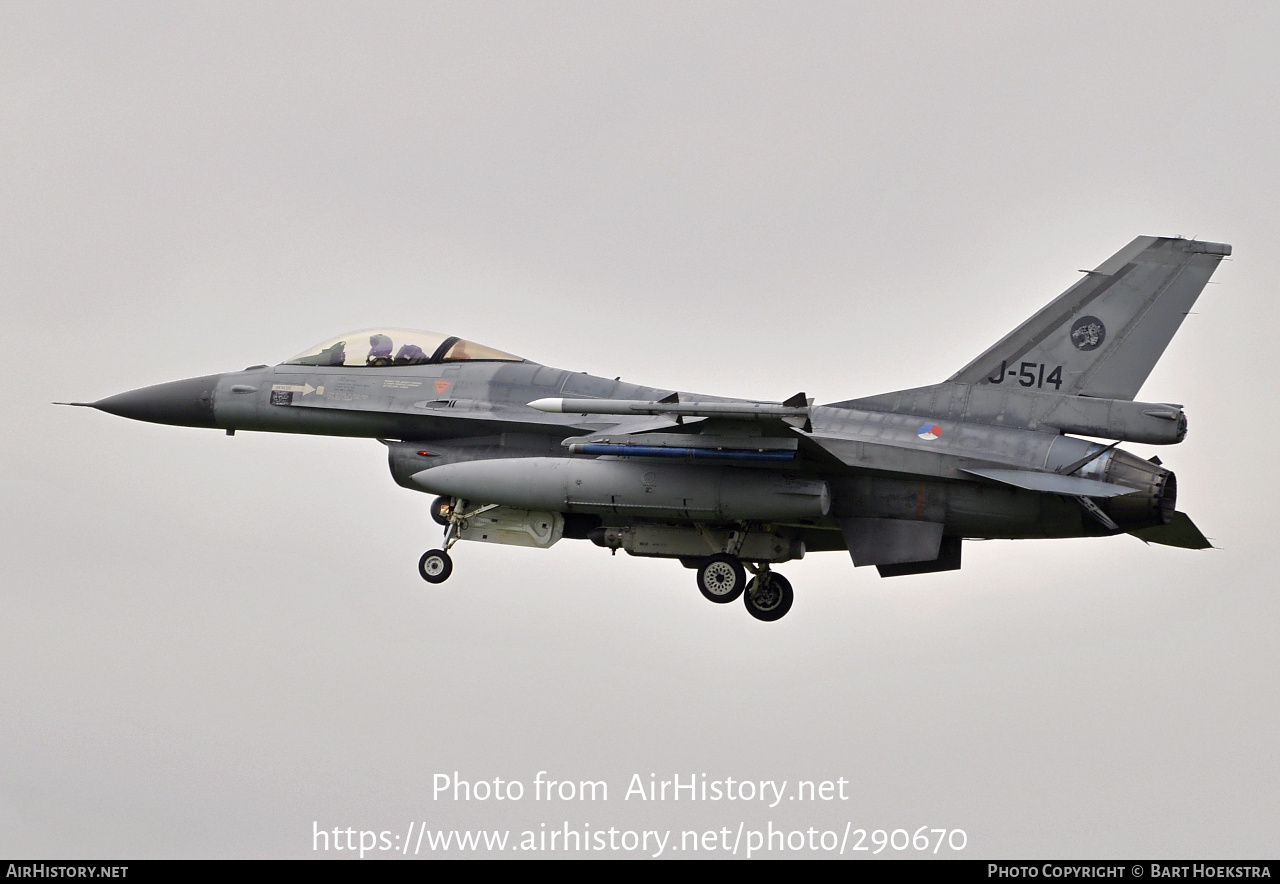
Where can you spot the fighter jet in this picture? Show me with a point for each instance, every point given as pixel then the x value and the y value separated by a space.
pixel 529 455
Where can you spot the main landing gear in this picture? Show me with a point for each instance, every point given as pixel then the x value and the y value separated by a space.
pixel 722 578
pixel 768 596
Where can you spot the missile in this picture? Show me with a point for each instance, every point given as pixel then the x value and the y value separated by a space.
pixel 736 410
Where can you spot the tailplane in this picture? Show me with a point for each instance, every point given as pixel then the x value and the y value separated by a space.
pixel 1181 531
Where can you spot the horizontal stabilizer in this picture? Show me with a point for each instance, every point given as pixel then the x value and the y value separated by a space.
pixel 1053 483
pixel 1180 532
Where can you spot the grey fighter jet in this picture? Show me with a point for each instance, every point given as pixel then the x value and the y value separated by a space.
pixel 526 454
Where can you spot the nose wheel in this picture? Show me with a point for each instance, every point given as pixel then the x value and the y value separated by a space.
pixel 435 566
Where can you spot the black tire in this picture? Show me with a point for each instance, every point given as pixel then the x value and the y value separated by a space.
pixel 773 601
pixel 439 507
pixel 721 578
pixel 435 566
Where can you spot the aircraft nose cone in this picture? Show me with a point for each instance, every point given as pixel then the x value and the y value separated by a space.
pixel 186 403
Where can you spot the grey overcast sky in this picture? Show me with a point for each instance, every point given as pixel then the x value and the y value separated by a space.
pixel 211 645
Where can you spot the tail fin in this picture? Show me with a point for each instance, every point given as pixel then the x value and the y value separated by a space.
pixel 1102 336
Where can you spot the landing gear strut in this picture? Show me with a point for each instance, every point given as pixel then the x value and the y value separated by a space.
pixel 435 566
pixel 722 578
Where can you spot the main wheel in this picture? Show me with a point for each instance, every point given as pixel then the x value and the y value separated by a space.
pixel 771 600
pixel 435 566
pixel 721 578
pixel 440 510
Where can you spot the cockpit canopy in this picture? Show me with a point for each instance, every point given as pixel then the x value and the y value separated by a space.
pixel 382 347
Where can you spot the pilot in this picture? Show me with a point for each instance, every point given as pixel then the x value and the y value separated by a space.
pixel 459 352
pixel 379 350
pixel 410 354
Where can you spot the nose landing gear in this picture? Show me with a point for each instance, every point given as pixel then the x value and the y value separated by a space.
pixel 435 566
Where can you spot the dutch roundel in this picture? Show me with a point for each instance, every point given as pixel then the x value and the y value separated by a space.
pixel 929 432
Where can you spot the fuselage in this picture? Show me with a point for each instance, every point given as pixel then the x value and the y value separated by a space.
pixel 874 464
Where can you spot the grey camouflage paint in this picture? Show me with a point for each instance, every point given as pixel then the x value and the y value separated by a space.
pixel 984 455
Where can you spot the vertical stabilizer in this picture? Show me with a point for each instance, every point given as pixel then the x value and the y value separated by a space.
pixel 1102 336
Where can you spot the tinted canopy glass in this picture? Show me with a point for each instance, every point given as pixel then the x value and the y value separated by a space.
pixel 382 347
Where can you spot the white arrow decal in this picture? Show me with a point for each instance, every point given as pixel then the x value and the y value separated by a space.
pixel 304 389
